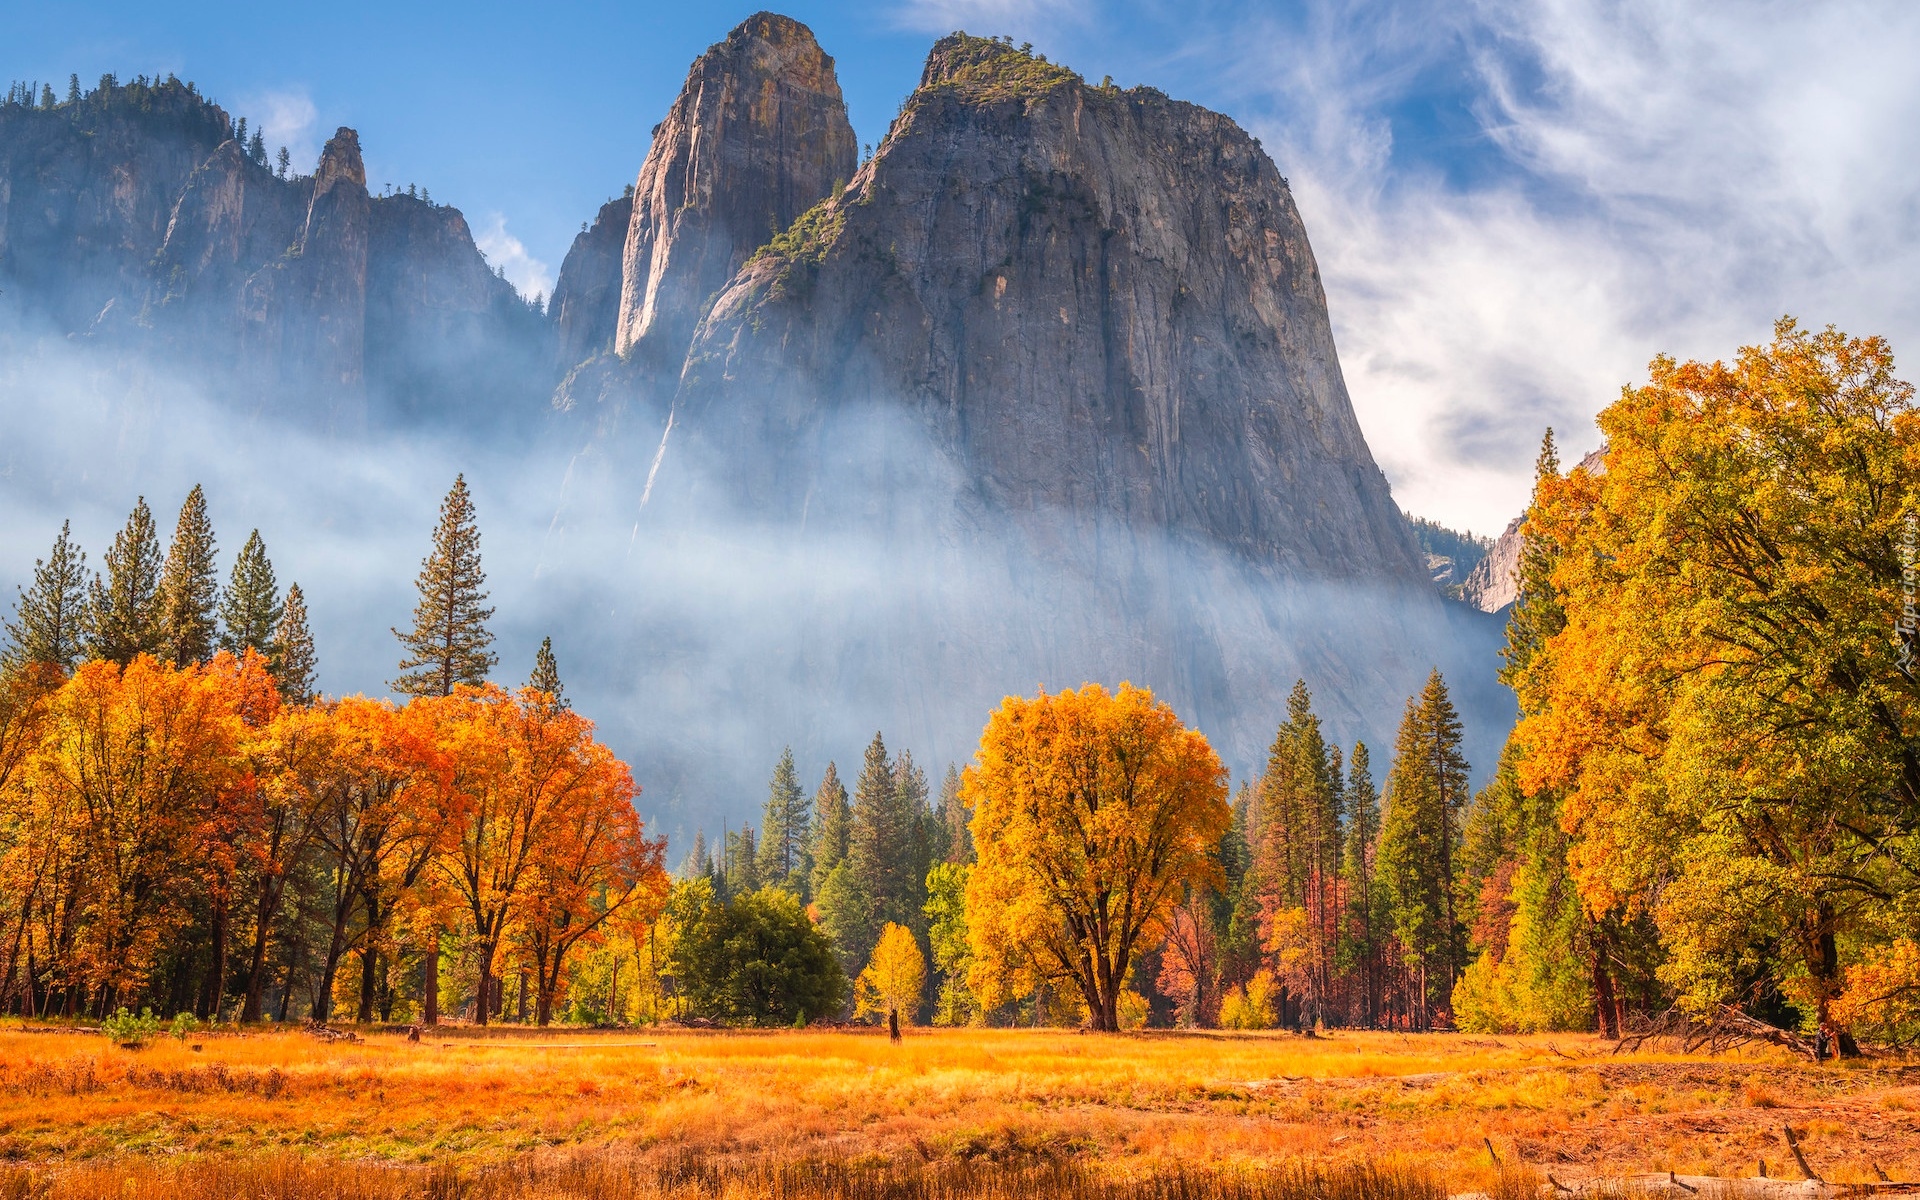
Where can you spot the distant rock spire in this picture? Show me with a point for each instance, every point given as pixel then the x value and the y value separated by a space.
pixel 758 135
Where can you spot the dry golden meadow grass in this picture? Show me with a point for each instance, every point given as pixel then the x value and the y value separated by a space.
pixel 449 1114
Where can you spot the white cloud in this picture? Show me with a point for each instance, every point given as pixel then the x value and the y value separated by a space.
pixel 990 17
pixel 507 253
pixel 1646 178
pixel 287 118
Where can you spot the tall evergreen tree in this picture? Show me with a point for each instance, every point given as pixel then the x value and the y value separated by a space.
pixel 1537 612
pixel 923 837
pixel 1296 844
pixel 1362 932
pixel 740 862
pixel 189 588
pixel 450 643
pixel 546 674
pixel 49 617
pixel 73 89
pixel 953 816
pixel 784 829
pixel 1419 838
pixel 295 666
pixel 250 609
pixel 880 843
pixel 832 825
pixel 123 613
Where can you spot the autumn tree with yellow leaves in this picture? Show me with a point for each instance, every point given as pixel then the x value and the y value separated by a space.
pixel 1730 707
pixel 1093 814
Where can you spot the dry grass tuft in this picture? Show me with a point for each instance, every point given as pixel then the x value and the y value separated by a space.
pixel 628 1177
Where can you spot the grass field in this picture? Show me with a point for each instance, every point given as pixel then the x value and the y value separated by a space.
pixel 1021 1099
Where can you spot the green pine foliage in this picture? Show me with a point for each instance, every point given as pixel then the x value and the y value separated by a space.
pixel 784 828
pixel 49 618
pixel 250 608
pixel 880 846
pixel 449 644
pixel 189 588
pixel 952 815
pixel 295 666
pixel 1537 611
pixel 123 617
pixel 832 826
pixel 1419 842
pixel 546 675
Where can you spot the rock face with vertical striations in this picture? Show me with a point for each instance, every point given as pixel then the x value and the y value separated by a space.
pixel 758 135
pixel 586 300
pixel 1065 349
pixel 1098 300
pixel 135 219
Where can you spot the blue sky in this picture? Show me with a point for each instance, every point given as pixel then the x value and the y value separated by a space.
pixel 1514 204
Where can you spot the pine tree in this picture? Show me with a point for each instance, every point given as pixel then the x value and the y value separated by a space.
pixel 284 161
pixel 257 149
pixel 879 845
pixel 546 674
pixel 832 825
pixel 740 863
pixel 953 815
pixel 923 836
pixel 783 836
pixel 295 667
pixel 699 864
pixel 1362 932
pixel 189 589
pixel 123 617
pixel 1537 613
pixel 48 618
pixel 240 132
pixel 73 89
pixel 250 609
pixel 1419 837
pixel 450 642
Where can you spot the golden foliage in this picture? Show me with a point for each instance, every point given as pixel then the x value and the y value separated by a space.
pixel 1093 813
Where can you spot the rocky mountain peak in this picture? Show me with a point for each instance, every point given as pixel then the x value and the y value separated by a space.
pixel 758 135
pixel 984 68
pixel 1102 301
pixel 340 161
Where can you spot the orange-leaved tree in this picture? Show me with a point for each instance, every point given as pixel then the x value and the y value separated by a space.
pixel 135 759
pixel 524 771
pixel 1093 813
pixel 592 865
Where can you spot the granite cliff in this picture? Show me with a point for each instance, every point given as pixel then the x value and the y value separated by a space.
pixel 758 135
pixel 134 218
pixel 1064 350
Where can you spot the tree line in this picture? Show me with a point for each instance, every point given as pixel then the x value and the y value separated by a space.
pixel 185 824
pixel 1710 803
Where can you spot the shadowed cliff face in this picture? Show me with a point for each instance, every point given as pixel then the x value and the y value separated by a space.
pixel 586 298
pixel 1061 356
pixel 1100 301
pixel 133 219
pixel 757 136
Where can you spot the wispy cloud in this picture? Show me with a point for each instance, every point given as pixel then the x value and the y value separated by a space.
pixel 287 118
pixel 991 17
pixel 506 252
pixel 1516 203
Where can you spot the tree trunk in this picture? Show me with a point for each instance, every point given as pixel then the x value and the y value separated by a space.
pixel 216 987
pixel 1605 1010
pixel 430 983
pixel 483 1000
pixel 369 984
pixel 522 1017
